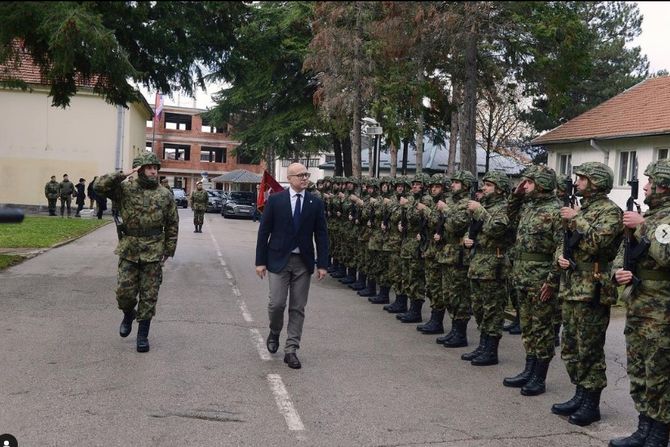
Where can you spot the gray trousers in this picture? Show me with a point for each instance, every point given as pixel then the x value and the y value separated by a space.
pixel 292 283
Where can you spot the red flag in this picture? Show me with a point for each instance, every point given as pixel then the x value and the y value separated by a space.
pixel 158 108
pixel 268 186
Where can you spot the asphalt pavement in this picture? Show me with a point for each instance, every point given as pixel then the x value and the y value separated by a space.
pixel 68 379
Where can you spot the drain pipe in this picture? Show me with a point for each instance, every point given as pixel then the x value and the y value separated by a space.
pixel 120 112
pixel 594 145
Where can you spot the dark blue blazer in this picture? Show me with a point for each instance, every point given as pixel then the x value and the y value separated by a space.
pixel 277 237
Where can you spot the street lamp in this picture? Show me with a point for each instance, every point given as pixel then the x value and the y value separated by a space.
pixel 372 128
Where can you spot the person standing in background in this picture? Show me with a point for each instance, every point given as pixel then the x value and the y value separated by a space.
pixel 81 196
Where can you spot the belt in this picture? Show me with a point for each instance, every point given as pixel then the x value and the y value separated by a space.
pixel 140 232
pixel 497 251
pixel 537 257
pixel 603 267
pixel 654 275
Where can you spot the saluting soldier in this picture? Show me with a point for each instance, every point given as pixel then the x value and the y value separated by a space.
pixel 647 299
pixel 150 228
pixel 489 265
pixel 534 212
pixel 51 190
pixel 586 290
pixel 199 199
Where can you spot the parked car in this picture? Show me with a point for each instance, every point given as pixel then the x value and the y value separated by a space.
pixel 180 197
pixel 240 204
pixel 213 202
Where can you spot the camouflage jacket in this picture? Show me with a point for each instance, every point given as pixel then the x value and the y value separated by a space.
pixel 430 248
pixel 490 260
pixel 66 189
pixel 199 200
pixel 377 212
pixel 539 231
pixel 142 210
pixel 456 223
pixel 392 236
pixel 600 224
pixel 51 190
pixel 650 299
pixel 366 214
pixel 412 224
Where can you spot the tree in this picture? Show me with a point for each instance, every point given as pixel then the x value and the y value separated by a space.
pixel 269 101
pixel 162 45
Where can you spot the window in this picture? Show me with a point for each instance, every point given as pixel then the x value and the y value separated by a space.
pixel 176 121
pixel 565 164
pixel 150 123
pixel 176 152
pixel 627 166
pixel 179 182
pixel 662 154
pixel 308 162
pixel 149 147
pixel 213 154
pixel 330 159
pixel 207 127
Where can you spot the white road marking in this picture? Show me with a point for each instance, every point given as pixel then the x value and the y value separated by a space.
pixel 245 312
pixel 284 403
pixel 260 344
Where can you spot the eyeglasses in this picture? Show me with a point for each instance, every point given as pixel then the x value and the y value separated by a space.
pixel 303 175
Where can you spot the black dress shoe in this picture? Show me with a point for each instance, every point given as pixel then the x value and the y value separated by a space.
pixel 273 342
pixel 292 360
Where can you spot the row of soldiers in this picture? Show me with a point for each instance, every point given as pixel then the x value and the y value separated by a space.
pixel 462 248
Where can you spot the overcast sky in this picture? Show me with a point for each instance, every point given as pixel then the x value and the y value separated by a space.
pixel 653 41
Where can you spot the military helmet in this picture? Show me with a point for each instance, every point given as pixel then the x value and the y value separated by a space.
pixel 148 158
pixel 421 177
pixel 560 182
pixel 321 180
pixel 371 181
pixel 543 176
pixel 311 186
pixel 465 177
pixel 599 174
pixel 498 178
pixel 403 180
pixel 437 179
pixel 388 180
pixel 659 172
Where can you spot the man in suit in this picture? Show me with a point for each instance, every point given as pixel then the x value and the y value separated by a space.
pixel 292 221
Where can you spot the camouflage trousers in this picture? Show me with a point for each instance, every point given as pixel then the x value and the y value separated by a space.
pixel 537 322
pixel 394 271
pixel 65 202
pixel 52 205
pixel 434 290
pixel 488 304
pixel 583 343
pixel 456 290
pixel 362 257
pixel 413 278
pixel 141 279
pixel 198 217
pixel 648 353
pixel 377 266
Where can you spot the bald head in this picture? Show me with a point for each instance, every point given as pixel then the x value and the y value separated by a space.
pixel 298 177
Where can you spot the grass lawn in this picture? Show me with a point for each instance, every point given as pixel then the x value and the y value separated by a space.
pixel 44 231
pixel 9 260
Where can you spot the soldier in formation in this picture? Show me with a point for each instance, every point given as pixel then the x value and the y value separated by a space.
pixel 199 200
pixel 150 227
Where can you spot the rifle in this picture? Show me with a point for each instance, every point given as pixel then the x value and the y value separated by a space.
pixel 11 215
pixel 118 221
pixel 475 225
pixel 570 238
pixel 423 237
pixel 403 221
pixel 632 249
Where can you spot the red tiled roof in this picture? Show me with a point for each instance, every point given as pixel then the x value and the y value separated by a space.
pixel 643 109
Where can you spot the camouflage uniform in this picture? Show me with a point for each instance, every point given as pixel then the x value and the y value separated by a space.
pixel 199 200
pixel 538 226
pixel 587 293
pixel 488 268
pixel 453 261
pixel 367 285
pixel 65 192
pixel 150 228
pixel 648 315
pixel 348 233
pixel 393 239
pixel 51 192
pixel 379 259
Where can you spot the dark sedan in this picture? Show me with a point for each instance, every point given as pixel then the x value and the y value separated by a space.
pixel 240 204
pixel 180 197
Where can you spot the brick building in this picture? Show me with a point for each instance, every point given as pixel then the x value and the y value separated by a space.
pixel 188 147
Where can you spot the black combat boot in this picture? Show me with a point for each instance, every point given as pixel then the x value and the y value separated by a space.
pixel 143 336
pixel 589 410
pixel 370 290
pixel 515 328
pixel 557 335
pixel 414 314
pixel 460 337
pixel 333 267
pixel 196 228
pixel 489 356
pixel 658 435
pixel 340 271
pixel 398 306
pixel 127 323
pixel 524 376
pixel 568 407
pixel 513 323
pixel 361 283
pixel 351 276
pixel 468 356
pixel 448 335
pixel 382 297
pixel 638 438
pixel 536 384
pixel 434 325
